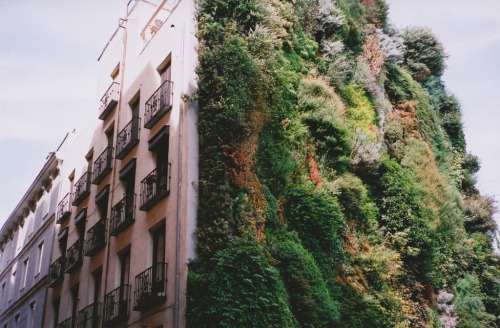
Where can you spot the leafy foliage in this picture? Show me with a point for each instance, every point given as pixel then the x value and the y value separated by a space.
pixel 424 54
pixel 335 190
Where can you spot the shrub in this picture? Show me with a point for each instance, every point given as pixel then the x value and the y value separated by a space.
pixel 241 289
pixel 479 211
pixel 401 211
pixel 424 53
pixel 391 43
pixel 316 218
pixel 359 111
pixel 309 298
pixel 333 142
pixel 469 305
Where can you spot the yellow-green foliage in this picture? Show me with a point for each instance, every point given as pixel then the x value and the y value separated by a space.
pixel 317 97
pixel 306 217
pixel 359 111
pixel 420 160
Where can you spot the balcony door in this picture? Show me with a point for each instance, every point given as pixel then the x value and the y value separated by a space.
pixel 165 75
pixel 124 282
pixel 159 273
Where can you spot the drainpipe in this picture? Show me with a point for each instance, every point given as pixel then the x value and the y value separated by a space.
pixel 179 185
pixel 121 24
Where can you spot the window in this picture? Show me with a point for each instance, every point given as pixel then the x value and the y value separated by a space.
pixel 25 273
pixel 124 267
pixel 134 106
pixel 17 319
pixel 56 311
pixel 89 162
pixel 3 293
pixel 74 300
pixel 110 137
pixel 40 257
pixel 102 202
pixel 159 267
pixel 97 284
pixel 115 72
pixel 165 70
pixel 31 318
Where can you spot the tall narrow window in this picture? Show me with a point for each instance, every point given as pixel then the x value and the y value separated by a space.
pixel 25 273
pixel 74 299
pixel 97 284
pixel 17 318
pixel 110 137
pixel 72 182
pixel 56 311
pixel 124 267
pixel 97 294
pixel 159 266
pixel 31 319
pixel 166 73
pixel 40 257
pixel 89 162
pixel 134 106
pixel 159 244
pixel 3 294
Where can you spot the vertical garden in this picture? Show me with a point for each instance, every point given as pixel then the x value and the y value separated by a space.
pixel 335 188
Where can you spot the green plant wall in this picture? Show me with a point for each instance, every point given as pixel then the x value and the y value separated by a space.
pixel 335 190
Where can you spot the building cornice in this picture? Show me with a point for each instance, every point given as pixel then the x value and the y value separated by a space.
pixel 41 184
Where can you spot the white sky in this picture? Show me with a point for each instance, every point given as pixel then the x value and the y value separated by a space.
pixel 48 65
pixel 48 71
pixel 470 33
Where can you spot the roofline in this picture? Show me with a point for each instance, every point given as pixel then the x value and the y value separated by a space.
pixel 120 20
pixel 17 214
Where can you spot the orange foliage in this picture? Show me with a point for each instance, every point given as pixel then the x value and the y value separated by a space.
pixel 313 169
pixel 372 13
pixel 372 52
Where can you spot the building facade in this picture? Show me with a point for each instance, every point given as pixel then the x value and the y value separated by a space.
pixel 25 248
pixel 123 219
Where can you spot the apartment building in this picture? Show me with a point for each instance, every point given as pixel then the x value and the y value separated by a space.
pixel 128 182
pixel 25 248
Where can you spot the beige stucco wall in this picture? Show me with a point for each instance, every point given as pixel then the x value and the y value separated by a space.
pixel 138 75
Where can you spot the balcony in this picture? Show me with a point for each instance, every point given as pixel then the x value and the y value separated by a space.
pixel 102 165
pixel 74 258
pixel 154 187
pixel 122 215
pixel 151 287
pixel 158 104
pixel 96 238
pixel 64 208
pixel 56 272
pixel 82 189
pixel 90 316
pixel 128 138
pixel 109 100
pixel 116 305
pixel 68 323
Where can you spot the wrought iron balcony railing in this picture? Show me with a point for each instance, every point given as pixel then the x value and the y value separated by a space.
pixel 154 187
pixel 102 165
pixel 64 208
pixel 74 257
pixel 151 287
pixel 128 138
pixel 96 238
pixel 109 100
pixel 116 304
pixel 122 215
pixel 68 323
pixel 158 104
pixel 56 272
pixel 90 316
pixel 82 189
